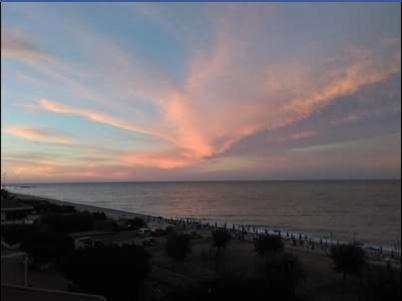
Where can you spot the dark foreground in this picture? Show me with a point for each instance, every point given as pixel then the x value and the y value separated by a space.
pixel 133 257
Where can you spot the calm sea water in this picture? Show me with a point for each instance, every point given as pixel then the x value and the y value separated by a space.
pixel 370 211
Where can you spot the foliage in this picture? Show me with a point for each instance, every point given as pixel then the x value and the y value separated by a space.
pixel 136 223
pixel 116 272
pixel 266 244
pixel 4 194
pixel 97 216
pixel 383 285
pixel 14 234
pixel 178 246
pixel 220 238
pixel 72 222
pixel 46 207
pixel 283 272
pixel 44 246
pixel 348 259
pixel 229 287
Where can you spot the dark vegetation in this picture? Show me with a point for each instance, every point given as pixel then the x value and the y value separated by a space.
pixel 382 284
pixel 268 244
pixel 220 239
pixel 113 271
pixel 45 246
pixel 45 207
pixel 14 234
pixel 348 259
pixel 5 194
pixel 72 222
pixel 178 246
pixel 119 272
pixel 136 223
pixel 230 287
pixel 282 273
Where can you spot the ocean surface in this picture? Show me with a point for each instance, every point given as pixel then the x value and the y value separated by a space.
pixel 368 211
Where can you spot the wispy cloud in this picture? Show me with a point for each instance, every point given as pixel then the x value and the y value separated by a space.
pixel 16 45
pixel 59 108
pixel 243 73
pixel 39 135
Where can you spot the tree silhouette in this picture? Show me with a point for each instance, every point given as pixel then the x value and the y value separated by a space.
pixel 348 259
pixel 178 246
pixel 116 272
pixel 266 244
pixel 136 223
pixel 44 246
pixel 220 239
pixel 283 272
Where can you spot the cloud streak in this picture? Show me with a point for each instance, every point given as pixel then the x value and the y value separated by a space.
pixel 39 135
pixel 248 75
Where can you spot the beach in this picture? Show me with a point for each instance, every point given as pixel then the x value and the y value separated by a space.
pixel 298 242
pixel 239 258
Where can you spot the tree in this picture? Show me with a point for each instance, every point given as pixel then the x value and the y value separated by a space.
pixel 268 244
pixel 220 238
pixel 225 287
pixel 348 259
pixel 14 234
pixel 178 246
pixel 71 222
pixel 116 272
pixel 45 246
pixel 136 223
pixel 382 284
pixel 283 272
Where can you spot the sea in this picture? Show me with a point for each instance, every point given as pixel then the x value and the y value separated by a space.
pixel 364 211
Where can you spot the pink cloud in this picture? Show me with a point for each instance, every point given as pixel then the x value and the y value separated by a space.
pixel 59 108
pixel 16 45
pixel 223 99
pixel 39 135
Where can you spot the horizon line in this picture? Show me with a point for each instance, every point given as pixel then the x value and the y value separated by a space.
pixel 204 181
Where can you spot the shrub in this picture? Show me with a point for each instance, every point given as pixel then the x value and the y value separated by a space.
pixel 136 223
pixel 348 259
pixel 4 194
pixel 68 223
pixel 382 284
pixel 44 246
pixel 44 207
pixel 266 244
pixel 14 234
pixel 97 216
pixel 283 272
pixel 178 246
pixel 116 272
pixel 220 238
pixel 229 287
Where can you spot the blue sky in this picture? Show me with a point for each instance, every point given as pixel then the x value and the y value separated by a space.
pixel 190 91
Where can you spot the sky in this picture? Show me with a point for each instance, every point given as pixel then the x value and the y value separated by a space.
pixel 190 91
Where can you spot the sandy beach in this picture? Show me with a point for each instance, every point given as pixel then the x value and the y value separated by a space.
pixel 296 242
pixel 240 257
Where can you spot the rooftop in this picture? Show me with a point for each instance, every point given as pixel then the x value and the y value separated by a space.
pixel 21 293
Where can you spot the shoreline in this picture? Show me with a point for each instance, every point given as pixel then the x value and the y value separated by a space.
pixel 114 214
pixel 380 253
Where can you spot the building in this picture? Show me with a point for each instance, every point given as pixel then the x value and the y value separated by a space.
pixel 13 212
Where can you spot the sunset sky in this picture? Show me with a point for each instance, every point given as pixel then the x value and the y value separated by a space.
pixel 140 92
